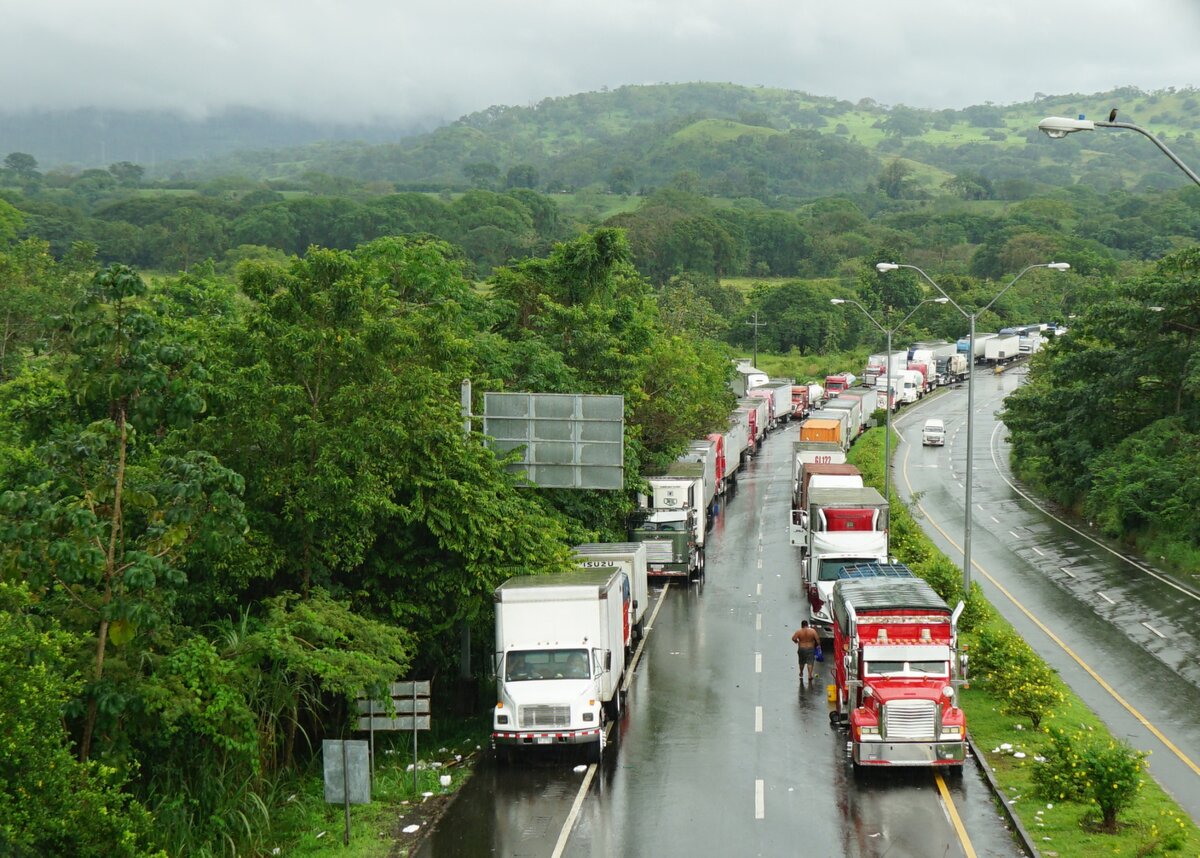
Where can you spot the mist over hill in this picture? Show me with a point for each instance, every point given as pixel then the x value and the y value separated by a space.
pixel 718 139
pixel 91 137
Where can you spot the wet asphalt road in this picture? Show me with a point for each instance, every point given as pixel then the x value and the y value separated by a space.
pixel 1120 633
pixel 721 751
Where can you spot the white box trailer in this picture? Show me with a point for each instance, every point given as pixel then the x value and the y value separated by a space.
pixel 558 659
pixel 939 348
pixel 845 525
pixel 737 440
pixel 814 453
pixel 627 557
pixel 680 490
pixel 746 376
pixel 851 405
pixel 760 419
pixel 703 453
pixel 847 430
pixel 964 345
pixel 1002 349
pixel 782 394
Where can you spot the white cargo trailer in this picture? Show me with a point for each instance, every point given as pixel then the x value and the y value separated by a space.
pixel 1002 349
pixel 627 557
pixel 559 665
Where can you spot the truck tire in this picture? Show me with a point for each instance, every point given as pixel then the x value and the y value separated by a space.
pixel 591 752
pixel 613 707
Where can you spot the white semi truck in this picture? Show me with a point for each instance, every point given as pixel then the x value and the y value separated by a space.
pixel 559 659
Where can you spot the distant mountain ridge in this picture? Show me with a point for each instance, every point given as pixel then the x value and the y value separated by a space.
pixel 723 139
pixel 93 137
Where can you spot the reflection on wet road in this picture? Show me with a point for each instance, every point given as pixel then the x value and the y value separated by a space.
pixel 721 750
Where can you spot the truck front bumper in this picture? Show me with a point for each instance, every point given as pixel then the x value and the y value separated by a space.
pixel 909 753
pixel 525 738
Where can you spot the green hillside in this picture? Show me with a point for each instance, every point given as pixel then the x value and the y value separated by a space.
pixel 770 144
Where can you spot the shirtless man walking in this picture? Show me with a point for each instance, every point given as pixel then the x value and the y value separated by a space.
pixel 806 640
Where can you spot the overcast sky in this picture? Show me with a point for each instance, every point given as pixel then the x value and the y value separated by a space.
pixel 357 60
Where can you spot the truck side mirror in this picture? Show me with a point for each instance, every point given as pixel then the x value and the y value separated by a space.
pixel 497 660
pixel 608 659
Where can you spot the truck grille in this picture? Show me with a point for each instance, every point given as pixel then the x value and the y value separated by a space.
pixel 534 717
pixel 909 719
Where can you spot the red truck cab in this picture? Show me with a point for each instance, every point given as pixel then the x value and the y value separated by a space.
pixel 897 669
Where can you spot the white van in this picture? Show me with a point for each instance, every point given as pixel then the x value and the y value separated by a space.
pixel 934 433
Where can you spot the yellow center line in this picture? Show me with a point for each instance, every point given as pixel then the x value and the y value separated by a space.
pixel 1092 673
pixel 955 819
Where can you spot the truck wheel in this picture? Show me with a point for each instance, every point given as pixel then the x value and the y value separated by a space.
pixel 613 707
pixel 591 753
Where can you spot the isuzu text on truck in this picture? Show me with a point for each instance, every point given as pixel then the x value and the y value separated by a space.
pixel 897 669
pixel 559 659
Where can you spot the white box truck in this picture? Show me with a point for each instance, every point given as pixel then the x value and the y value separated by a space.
pixel 627 557
pixel 1002 348
pixel 558 659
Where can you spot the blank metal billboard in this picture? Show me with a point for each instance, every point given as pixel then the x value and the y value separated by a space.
pixel 570 440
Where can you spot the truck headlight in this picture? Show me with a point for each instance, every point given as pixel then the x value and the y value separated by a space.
pixel 952 731
pixel 501 719
pixel 869 731
pixel 589 716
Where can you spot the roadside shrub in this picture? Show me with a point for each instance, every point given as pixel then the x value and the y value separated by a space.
pixel 1084 767
pixel 996 648
pixel 1033 693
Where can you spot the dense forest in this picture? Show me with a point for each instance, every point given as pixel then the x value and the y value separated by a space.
pixel 235 487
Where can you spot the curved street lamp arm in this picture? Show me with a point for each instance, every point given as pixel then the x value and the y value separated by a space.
pixel 1024 271
pixel 918 307
pixel 941 291
pixel 866 313
pixel 1186 169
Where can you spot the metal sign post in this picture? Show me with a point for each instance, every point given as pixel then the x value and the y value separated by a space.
pixel 411 703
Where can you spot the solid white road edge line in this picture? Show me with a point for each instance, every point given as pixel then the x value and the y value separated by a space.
pixel 569 823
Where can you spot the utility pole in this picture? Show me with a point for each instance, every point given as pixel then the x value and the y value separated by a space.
pixel 756 324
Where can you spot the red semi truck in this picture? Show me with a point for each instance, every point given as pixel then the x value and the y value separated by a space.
pixel 897 669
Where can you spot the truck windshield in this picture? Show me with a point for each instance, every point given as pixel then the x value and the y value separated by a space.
pixel 906 668
pixel 521 665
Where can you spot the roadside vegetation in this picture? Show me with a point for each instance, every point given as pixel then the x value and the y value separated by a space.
pixel 1076 788
pixel 235 488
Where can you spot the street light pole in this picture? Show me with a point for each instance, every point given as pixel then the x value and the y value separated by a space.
pixel 883 267
pixel 887 437
pixel 1058 126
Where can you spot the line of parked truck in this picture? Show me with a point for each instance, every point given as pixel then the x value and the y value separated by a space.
pixel 564 641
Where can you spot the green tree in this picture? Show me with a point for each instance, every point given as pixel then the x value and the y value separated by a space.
pixel 191 236
pixel 22 164
pixel 127 173
pixel 11 223
pixel 521 176
pixel 51 804
pixel 621 179
pixel 482 174
pixel 106 519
